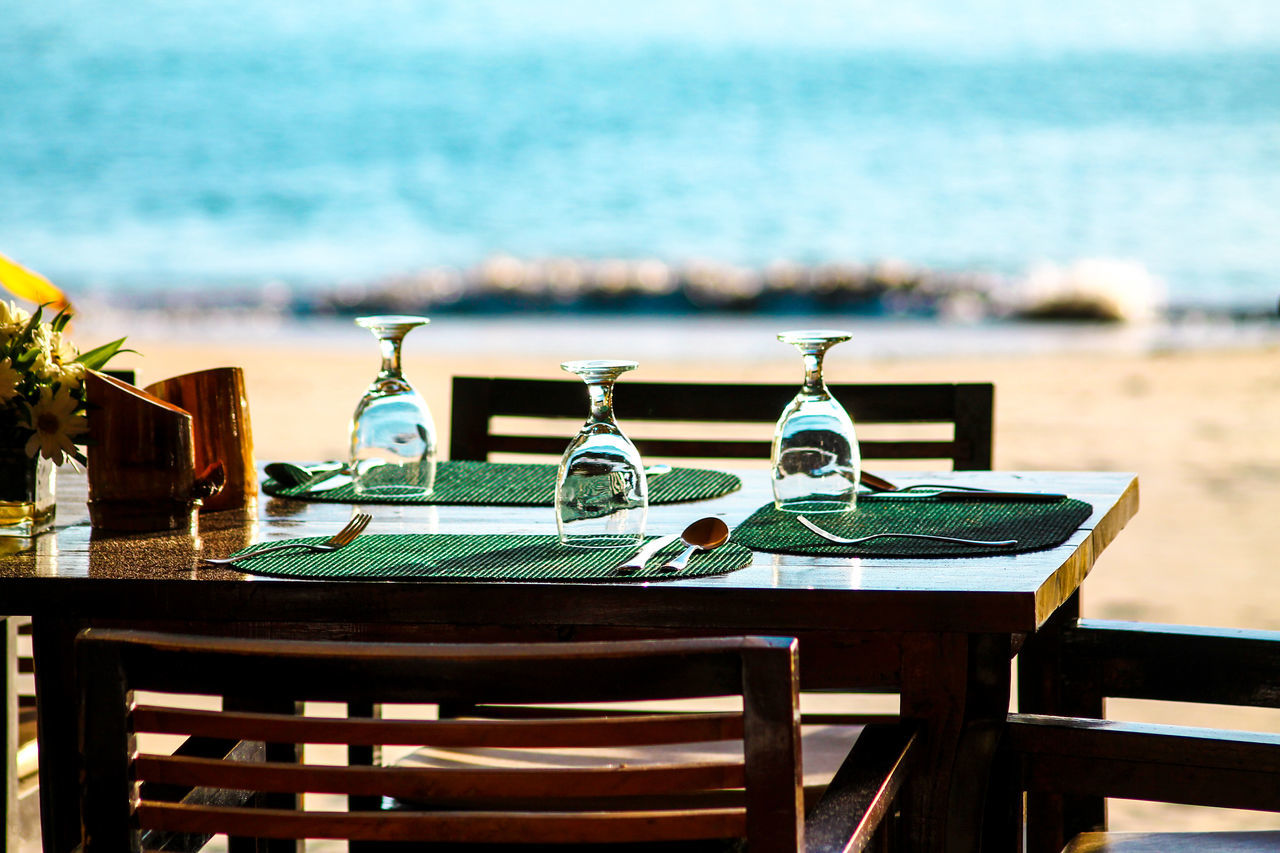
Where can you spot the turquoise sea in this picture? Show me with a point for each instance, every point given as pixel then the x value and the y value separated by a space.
pixel 148 144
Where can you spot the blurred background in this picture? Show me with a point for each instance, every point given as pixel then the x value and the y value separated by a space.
pixel 923 157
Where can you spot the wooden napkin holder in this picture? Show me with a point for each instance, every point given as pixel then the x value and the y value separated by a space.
pixel 142 469
pixel 219 409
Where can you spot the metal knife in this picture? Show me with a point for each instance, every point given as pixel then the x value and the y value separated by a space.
pixel 959 496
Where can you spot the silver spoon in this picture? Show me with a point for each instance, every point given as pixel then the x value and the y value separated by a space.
pixel 702 535
pixel 289 474
pixel 842 540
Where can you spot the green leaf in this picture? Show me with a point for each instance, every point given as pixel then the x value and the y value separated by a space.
pixel 31 324
pixel 97 358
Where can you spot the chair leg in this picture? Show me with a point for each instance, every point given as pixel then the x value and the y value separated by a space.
pixel 9 725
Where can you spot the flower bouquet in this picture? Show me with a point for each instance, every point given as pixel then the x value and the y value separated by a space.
pixel 42 406
pixel 42 412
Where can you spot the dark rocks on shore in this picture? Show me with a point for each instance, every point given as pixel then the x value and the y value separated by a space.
pixel 569 285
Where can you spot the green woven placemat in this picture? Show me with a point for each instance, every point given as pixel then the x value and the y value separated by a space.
pixel 519 484
pixel 1035 525
pixel 473 557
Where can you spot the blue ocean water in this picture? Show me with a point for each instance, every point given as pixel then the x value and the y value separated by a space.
pixel 148 144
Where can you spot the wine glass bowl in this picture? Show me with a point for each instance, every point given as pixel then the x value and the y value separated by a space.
pixel 393 436
pixel 602 496
pixel 815 458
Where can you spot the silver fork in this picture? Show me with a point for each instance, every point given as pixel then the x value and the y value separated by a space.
pixel 342 538
pixel 995 543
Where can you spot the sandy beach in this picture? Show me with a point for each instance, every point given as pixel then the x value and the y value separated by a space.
pixel 1197 425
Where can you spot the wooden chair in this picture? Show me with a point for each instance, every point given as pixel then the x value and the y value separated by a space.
pixel 477 401
pixel 756 796
pixel 18 786
pixel 1067 758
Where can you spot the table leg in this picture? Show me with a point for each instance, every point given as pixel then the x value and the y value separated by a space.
pixel 53 647
pixel 1049 684
pixel 957 686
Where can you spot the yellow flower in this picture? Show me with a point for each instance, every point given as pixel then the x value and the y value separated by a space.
pixel 9 379
pixel 56 424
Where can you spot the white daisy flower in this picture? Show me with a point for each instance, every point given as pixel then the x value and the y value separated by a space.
pixel 12 319
pixel 56 424
pixel 45 367
pixel 9 379
pixel 11 314
pixel 63 350
pixel 71 374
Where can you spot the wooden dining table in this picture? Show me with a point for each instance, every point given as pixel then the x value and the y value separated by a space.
pixel 940 632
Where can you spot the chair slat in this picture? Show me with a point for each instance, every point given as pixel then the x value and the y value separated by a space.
pixel 441 785
pixel 1151 661
pixel 1070 758
pixel 580 731
pixel 502 673
pixel 462 827
pixel 725 449
pixel 1181 746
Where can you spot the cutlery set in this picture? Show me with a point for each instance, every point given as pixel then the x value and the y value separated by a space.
pixel 705 534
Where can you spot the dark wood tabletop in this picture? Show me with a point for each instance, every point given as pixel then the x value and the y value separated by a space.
pixel 75 571
pixel 940 631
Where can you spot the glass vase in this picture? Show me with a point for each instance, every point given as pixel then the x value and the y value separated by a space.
pixel 393 437
pixel 815 457
pixel 27 493
pixel 602 497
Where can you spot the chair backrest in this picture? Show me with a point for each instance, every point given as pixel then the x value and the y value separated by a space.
pixel 1067 764
pixel 761 796
pixel 478 400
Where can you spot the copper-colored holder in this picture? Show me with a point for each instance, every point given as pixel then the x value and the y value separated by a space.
pixel 223 437
pixel 141 460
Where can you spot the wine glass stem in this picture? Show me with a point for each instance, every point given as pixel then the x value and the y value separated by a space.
pixel 601 392
pixel 390 347
pixel 813 372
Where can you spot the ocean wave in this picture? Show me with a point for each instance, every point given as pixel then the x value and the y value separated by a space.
pixel 1093 289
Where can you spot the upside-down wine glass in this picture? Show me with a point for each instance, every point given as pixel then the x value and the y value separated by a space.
pixel 393 438
pixel 816 463
pixel 602 496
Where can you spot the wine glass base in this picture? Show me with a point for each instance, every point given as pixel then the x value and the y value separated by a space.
pixel 815 505
pixel 601 540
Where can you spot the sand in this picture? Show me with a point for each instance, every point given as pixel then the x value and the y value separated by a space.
pixel 1197 425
